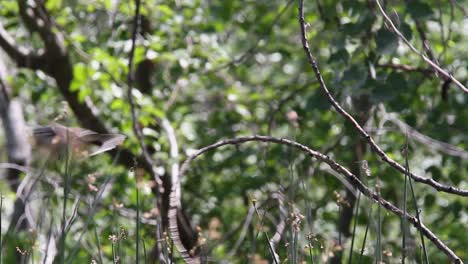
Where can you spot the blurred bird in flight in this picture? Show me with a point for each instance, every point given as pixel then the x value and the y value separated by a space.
pixel 59 139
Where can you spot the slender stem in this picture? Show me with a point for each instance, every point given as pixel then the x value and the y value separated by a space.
pixel 354 229
pixel 339 230
pixel 365 235
pixel 272 250
pixel 92 209
pixel 378 247
pixel 144 251
pixel 311 247
pixel 404 221
pixel 98 244
pixel 113 253
pixel 65 197
pixel 1 216
pixel 137 224
pixel 414 201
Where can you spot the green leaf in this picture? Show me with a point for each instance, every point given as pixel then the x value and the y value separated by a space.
pixel 396 82
pixel 166 10
pixel 80 76
pixel 341 56
pixel 406 31
pixel 395 85
pixel 386 41
pixel 53 4
pixel 435 172
pixel 419 10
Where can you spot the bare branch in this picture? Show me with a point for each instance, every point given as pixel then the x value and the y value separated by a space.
pixel 244 229
pixel 281 226
pixel 20 55
pixel 376 148
pixel 37 19
pixel 353 179
pixel 434 65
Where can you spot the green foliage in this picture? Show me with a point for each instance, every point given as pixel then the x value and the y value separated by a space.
pixel 221 69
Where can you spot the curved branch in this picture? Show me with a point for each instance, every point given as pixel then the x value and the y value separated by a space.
pixel 353 179
pixel 37 19
pixel 436 185
pixel 243 233
pixel 281 226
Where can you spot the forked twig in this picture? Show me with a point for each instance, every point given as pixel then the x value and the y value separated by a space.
pixel 436 67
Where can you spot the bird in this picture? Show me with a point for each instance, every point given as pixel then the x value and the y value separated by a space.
pixel 59 139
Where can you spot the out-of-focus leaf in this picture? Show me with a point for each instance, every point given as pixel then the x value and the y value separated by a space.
pixel 340 56
pixel 406 31
pixel 387 42
pixel 419 10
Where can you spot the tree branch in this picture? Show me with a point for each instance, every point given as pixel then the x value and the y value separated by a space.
pixel 434 65
pixel 376 148
pixel 20 55
pixel 37 19
pixel 353 179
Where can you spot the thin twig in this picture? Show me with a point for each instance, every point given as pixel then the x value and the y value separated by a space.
pixel 406 153
pixel 66 186
pixel 363 247
pixel 280 226
pixel 405 201
pixel 240 240
pixel 93 207
pixel 1 217
pixel 356 212
pixel 274 255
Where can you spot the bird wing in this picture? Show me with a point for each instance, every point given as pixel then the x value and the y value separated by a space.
pixel 44 134
pixel 79 137
pixel 111 142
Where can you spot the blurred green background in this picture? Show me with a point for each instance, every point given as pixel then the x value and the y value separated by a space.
pixel 220 69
